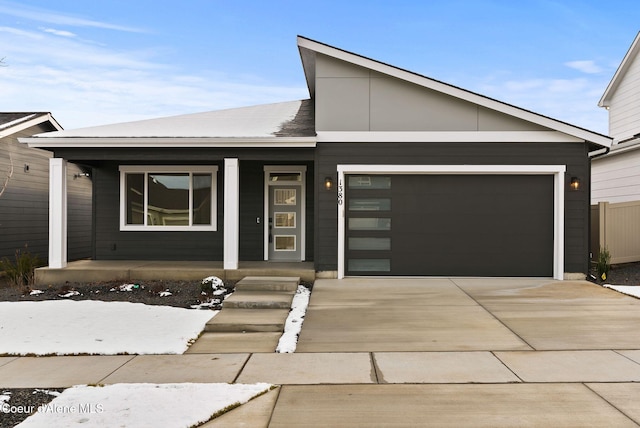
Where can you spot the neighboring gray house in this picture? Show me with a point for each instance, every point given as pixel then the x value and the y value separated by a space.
pixel 24 191
pixel 381 171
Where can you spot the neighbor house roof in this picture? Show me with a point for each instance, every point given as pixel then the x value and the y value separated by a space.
pixel 620 72
pixel 309 48
pixel 12 122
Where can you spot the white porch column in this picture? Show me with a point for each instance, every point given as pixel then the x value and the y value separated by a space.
pixel 231 213
pixel 57 213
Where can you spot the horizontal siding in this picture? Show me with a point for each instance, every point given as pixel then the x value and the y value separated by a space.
pixel 573 155
pixel 24 205
pixel 624 111
pixel 616 178
pixel 113 244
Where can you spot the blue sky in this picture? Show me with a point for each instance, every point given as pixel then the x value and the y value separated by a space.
pixel 92 63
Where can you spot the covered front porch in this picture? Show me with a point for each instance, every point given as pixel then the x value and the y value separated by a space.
pixel 139 270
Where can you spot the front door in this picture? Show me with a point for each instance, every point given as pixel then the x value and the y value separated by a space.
pixel 285 222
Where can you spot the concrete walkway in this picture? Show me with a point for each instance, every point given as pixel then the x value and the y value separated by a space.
pixel 415 352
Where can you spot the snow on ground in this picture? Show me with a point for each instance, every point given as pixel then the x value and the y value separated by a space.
pixel 65 327
pixel 289 339
pixel 142 405
pixel 631 290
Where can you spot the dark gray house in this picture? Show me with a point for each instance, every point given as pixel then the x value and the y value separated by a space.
pixel 24 191
pixel 381 172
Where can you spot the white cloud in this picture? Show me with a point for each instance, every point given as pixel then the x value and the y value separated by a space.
pixel 84 84
pixel 51 17
pixel 570 100
pixel 61 33
pixel 589 67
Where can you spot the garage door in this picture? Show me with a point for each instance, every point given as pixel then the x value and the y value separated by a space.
pixel 449 225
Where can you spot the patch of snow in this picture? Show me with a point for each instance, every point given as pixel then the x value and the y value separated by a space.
pixel 35 292
pixel 165 293
pixel 206 305
pixel 289 339
pixel 630 290
pixel 144 404
pixel 46 391
pixel 5 397
pixel 16 121
pixel 125 287
pixel 69 294
pixel 219 292
pixel 66 327
pixel 216 283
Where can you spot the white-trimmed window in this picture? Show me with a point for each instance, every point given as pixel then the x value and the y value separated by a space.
pixel 168 198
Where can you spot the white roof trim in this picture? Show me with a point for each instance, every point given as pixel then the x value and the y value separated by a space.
pixel 304 43
pixel 445 137
pixel 27 122
pixel 605 101
pixel 153 142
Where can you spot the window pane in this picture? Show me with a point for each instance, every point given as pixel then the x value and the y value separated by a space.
pixel 202 198
pixel 369 204
pixel 366 223
pixel 370 265
pixel 135 198
pixel 284 196
pixel 375 244
pixel 285 176
pixel 285 219
pixel 285 243
pixel 168 201
pixel 369 182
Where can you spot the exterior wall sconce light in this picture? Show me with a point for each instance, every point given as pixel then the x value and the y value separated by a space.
pixel 328 183
pixel 81 174
pixel 575 183
pixel 26 167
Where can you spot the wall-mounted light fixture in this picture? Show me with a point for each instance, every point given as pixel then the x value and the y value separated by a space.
pixel 575 183
pixel 328 183
pixel 26 167
pixel 81 174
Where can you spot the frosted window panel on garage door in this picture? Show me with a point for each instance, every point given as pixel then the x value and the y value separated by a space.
pixel 369 204
pixel 369 265
pixel 369 223
pixel 369 182
pixel 367 243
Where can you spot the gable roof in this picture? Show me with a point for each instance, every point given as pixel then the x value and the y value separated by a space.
pixel 309 48
pixel 11 122
pixel 620 72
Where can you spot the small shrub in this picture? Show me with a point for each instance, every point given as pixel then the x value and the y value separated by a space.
pixel 603 266
pixel 22 271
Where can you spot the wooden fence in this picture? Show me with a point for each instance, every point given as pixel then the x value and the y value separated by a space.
pixel 617 228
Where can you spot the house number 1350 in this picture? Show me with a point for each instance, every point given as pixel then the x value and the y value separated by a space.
pixel 340 192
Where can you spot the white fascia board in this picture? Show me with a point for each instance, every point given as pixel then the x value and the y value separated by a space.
pixel 557 171
pixel 154 142
pixel 28 122
pixel 605 101
pixel 453 169
pixel 455 92
pixel 446 137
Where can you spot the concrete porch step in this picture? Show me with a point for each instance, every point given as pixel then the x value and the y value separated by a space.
pixel 268 283
pixel 248 320
pixel 249 299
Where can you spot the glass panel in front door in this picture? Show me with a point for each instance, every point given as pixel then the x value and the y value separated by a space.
pixel 284 223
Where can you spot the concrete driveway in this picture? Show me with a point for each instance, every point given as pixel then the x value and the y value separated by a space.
pixel 467 314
